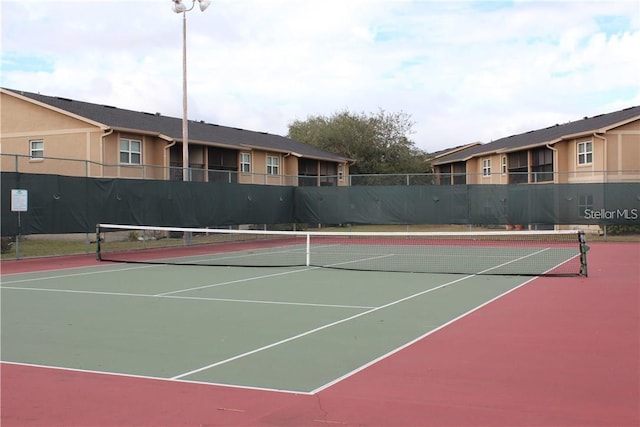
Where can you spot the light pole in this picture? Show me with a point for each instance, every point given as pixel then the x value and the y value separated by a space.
pixel 180 7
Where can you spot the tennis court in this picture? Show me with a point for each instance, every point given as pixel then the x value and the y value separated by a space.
pixel 291 331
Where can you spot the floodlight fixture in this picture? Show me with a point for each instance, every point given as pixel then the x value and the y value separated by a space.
pixel 178 6
pixel 204 4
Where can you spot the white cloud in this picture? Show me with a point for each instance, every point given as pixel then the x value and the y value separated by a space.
pixel 464 71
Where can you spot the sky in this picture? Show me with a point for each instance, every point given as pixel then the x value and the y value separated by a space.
pixel 463 71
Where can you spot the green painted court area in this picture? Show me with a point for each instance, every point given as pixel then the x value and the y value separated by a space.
pixel 291 329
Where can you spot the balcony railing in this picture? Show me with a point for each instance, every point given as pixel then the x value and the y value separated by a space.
pixel 197 173
pixel 73 167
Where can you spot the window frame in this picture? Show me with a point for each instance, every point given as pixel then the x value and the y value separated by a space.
pixel 584 158
pixel 245 160
pixel 542 165
pixel 459 173
pixel 273 165
pixel 129 152
pixel 503 165
pixel 33 150
pixel 518 167
pixel 486 167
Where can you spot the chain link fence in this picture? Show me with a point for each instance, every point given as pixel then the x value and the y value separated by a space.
pixel 85 168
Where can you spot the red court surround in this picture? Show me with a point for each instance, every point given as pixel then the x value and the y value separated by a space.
pixel 556 352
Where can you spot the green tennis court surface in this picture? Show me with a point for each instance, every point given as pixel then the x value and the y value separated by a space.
pixel 292 329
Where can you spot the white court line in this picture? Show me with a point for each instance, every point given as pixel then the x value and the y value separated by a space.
pixel 249 301
pixel 410 343
pixel 172 293
pixel 444 325
pixel 298 392
pixel 48 270
pixel 195 259
pixel 309 332
pixel 248 279
pixel 244 301
pixel 86 273
pixel 272 389
pixel 338 322
pixel 266 276
pixel 147 377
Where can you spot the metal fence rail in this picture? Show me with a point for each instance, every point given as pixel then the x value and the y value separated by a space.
pixel 90 169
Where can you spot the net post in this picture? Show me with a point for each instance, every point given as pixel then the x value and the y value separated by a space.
pixel 583 253
pixel 308 262
pixel 98 255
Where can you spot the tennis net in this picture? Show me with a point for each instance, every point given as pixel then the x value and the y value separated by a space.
pixel 529 253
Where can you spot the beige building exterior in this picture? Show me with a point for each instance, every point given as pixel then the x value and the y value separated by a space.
pixel 604 148
pixel 52 135
pixel 600 149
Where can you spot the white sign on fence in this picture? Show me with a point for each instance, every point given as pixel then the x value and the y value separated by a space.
pixel 19 200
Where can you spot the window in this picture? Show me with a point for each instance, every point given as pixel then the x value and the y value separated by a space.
pixel 130 151
pixel 222 159
pixel 504 165
pixel 340 172
pixel 452 174
pixel 518 167
pixel 245 162
pixel 459 173
pixel 328 172
pixel 486 167
pixel 443 174
pixel 308 172
pixel 585 153
pixel 541 165
pixel 273 165
pixel 36 149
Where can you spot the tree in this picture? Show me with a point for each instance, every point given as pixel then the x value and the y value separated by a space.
pixel 378 143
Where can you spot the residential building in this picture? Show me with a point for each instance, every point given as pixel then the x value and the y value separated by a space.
pixel 54 135
pixel 604 148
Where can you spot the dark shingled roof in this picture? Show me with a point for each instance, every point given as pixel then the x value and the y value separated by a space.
pixel 172 127
pixel 544 136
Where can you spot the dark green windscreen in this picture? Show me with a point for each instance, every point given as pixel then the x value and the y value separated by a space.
pixel 64 204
